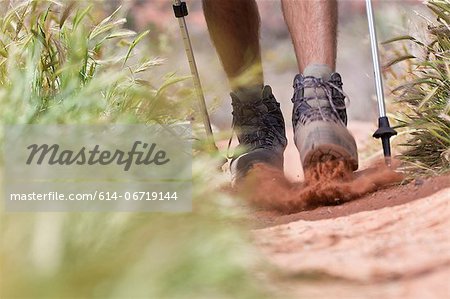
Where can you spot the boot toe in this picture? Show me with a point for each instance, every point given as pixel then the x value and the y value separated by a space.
pixel 241 165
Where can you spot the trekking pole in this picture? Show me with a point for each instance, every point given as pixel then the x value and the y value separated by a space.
pixel 180 10
pixel 384 131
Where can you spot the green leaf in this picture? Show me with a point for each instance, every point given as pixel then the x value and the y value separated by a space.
pixel 121 34
pixel 80 15
pixel 428 97
pixel 403 38
pixel 133 45
pixel 398 59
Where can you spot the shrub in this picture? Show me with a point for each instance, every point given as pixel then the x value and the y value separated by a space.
pixel 424 100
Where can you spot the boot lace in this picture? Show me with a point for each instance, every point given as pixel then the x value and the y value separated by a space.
pixel 338 101
pixel 258 128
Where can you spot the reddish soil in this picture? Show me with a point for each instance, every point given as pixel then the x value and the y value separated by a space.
pixel 386 197
pixel 327 183
pixel 393 243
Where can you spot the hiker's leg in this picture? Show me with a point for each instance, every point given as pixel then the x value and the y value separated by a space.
pixel 319 116
pixel 234 29
pixel 313 28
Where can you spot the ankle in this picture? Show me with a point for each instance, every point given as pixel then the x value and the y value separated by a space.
pixel 322 71
pixel 247 77
pixel 248 93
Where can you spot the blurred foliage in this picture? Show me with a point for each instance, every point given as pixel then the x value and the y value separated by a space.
pixel 60 63
pixel 423 101
pixel 203 254
pixel 66 62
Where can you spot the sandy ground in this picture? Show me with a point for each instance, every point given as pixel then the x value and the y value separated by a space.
pixel 393 243
pixel 385 245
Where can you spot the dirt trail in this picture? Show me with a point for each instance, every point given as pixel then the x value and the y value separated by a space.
pixel 327 183
pixel 393 243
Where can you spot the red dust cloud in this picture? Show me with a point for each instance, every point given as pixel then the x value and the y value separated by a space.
pixel 328 183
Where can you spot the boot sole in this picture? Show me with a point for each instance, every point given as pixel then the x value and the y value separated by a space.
pixel 328 152
pixel 323 141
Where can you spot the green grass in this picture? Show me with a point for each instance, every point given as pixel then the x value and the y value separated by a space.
pixel 58 64
pixel 68 63
pixel 423 100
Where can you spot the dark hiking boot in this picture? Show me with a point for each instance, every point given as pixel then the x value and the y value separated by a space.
pixel 260 130
pixel 320 121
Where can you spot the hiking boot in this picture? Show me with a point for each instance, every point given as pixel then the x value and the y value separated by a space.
pixel 260 130
pixel 320 120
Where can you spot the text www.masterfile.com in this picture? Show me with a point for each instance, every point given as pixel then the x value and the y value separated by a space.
pixel 95 195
